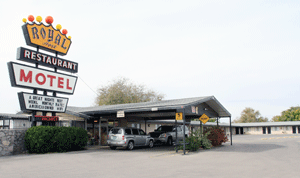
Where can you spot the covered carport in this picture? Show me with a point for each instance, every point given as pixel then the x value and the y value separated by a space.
pixel 190 108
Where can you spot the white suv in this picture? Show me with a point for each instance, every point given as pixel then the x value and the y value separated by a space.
pixel 128 137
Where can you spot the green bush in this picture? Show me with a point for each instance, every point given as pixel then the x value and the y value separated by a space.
pixel 44 139
pixel 216 135
pixel 196 141
pixel 205 142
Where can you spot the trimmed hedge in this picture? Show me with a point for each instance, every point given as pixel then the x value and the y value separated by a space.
pixel 44 139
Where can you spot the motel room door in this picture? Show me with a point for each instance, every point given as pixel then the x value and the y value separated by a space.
pixel 237 130
pixel 294 129
pixel 269 130
pixel 264 130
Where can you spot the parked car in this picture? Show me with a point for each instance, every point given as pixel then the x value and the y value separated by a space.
pixel 166 134
pixel 128 137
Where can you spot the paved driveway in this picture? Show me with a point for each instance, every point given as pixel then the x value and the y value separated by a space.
pixel 249 156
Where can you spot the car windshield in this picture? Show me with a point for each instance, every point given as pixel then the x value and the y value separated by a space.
pixel 116 131
pixel 165 128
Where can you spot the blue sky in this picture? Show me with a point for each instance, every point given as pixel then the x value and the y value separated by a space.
pixel 245 53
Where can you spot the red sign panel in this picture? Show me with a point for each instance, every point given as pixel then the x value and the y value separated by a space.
pixel 46 118
pixel 30 77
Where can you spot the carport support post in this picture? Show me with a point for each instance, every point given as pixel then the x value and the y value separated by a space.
pixel 146 126
pixel 201 129
pixel 183 118
pixel 99 132
pixel 176 142
pixel 85 124
pixel 230 130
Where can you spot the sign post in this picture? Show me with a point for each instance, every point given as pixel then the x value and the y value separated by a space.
pixel 203 119
pixel 179 116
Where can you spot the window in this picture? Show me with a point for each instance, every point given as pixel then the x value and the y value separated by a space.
pixel 142 132
pixel 165 128
pixel 157 125
pixel 135 131
pixel 127 131
pixel 178 129
pixel 134 125
pixel 116 131
pixel 6 122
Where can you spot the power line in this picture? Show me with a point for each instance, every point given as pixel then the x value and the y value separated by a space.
pixel 87 84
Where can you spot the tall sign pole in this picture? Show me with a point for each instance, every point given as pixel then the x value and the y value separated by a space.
pixel 43 37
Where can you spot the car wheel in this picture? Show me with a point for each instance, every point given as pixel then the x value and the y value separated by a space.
pixel 151 144
pixel 113 147
pixel 130 145
pixel 169 141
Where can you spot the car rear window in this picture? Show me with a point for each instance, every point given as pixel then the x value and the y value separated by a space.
pixel 127 131
pixel 116 131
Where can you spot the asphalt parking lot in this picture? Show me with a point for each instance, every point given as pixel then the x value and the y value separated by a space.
pixel 249 156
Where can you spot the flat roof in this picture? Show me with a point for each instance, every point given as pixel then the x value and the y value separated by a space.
pixel 13 116
pixel 266 124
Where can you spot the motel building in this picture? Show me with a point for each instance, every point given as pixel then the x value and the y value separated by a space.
pixel 148 116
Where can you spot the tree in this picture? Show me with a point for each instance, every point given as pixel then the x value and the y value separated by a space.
pixel 122 91
pixel 292 114
pixel 250 115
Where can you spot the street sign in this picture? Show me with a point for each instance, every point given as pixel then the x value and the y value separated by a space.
pixel 46 38
pixel 179 116
pixel 34 102
pixel 31 56
pixel 204 118
pixel 46 118
pixel 120 114
pixel 24 76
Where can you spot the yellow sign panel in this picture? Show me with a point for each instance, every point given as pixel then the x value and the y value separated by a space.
pixel 46 37
pixel 204 118
pixel 179 116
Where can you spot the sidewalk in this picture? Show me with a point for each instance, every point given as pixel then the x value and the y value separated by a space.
pixel 96 147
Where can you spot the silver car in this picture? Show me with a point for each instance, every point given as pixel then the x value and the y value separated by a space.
pixel 128 137
pixel 167 134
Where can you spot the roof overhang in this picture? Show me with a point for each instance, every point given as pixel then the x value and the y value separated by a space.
pixel 166 109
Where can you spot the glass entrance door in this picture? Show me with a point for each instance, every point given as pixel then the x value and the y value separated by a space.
pixel 104 131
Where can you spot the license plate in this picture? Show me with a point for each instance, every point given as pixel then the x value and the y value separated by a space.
pixel 114 137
